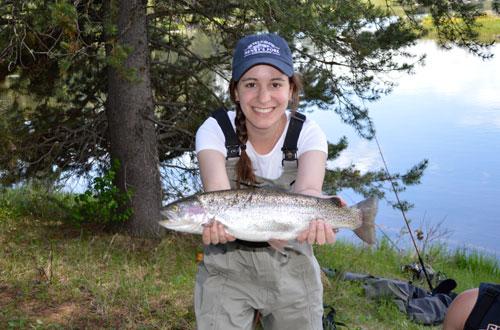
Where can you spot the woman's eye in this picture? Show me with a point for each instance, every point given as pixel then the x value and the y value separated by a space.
pixel 276 85
pixel 250 85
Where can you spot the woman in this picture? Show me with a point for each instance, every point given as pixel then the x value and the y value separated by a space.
pixel 236 277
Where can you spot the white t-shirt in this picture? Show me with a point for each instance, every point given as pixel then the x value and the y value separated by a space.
pixel 210 136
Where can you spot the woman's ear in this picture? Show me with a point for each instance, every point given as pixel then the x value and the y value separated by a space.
pixel 236 95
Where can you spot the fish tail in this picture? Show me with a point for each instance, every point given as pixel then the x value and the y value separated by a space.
pixel 368 208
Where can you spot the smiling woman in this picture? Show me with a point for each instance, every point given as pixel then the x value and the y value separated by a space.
pixel 263 94
pixel 273 147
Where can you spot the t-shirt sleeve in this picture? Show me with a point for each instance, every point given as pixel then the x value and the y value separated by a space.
pixel 210 136
pixel 311 137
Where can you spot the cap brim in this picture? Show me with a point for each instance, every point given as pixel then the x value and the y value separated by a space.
pixel 278 64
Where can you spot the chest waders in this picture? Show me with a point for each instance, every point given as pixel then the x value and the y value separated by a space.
pixel 238 278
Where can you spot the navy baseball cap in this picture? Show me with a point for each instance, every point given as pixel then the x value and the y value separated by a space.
pixel 266 48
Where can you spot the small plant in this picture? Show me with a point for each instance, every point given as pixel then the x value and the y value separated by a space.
pixel 103 202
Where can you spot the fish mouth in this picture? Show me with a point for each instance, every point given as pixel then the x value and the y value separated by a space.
pixel 170 219
pixel 169 215
pixel 165 223
pixel 170 224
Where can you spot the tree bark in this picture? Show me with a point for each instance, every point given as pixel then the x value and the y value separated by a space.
pixel 132 136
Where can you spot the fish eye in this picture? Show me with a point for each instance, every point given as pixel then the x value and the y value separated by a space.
pixel 175 208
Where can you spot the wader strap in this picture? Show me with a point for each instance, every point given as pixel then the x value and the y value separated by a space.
pixel 481 307
pixel 233 148
pixel 292 136
pixel 232 142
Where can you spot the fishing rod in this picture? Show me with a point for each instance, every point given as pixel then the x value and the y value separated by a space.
pixel 388 238
pixel 404 215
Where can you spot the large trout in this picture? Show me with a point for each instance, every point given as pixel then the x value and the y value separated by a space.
pixel 262 214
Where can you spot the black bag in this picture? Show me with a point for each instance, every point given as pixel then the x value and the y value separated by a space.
pixel 486 311
pixel 420 305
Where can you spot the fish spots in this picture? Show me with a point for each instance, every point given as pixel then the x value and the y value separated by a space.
pixel 249 200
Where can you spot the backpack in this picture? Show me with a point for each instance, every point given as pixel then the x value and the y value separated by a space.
pixel 486 311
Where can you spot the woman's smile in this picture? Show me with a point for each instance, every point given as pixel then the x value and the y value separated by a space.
pixel 263 110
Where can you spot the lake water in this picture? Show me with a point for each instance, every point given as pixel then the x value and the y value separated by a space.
pixel 449 113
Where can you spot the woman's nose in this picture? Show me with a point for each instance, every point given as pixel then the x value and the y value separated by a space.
pixel 264 95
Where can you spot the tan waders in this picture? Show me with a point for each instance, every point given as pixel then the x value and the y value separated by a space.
pixel 234 280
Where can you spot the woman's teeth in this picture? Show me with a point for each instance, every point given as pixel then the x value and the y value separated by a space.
pixel 263 110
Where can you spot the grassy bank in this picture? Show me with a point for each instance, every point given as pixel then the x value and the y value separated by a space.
pixel 57 276
pixel 488 30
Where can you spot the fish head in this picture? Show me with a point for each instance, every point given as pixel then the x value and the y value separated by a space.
pixel 187 216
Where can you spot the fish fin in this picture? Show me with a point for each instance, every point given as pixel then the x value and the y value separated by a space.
pixel 278 244
pixel 335 200
pixel 368 208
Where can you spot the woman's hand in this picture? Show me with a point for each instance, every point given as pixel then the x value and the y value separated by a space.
pixel 319 231
pixel 215 233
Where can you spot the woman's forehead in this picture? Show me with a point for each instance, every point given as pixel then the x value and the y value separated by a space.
pixel 263 71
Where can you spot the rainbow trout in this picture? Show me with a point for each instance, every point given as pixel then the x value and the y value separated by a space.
pixel 262 214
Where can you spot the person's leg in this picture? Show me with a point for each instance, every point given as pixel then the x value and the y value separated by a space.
pixel 220 303
pixel 299 299
pixel 459 310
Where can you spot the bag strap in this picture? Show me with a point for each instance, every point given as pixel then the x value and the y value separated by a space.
pixel 481 307
pixel 232 142
pixel 292 136
pixel 329 322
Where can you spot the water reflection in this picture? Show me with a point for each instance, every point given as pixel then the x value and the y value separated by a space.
pixel 449 113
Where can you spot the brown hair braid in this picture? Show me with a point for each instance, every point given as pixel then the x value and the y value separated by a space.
pixel 244 170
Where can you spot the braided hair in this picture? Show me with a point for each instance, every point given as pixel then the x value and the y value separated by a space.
pixel 244 169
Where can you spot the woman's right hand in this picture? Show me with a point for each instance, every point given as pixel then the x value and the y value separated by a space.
pixel 215 233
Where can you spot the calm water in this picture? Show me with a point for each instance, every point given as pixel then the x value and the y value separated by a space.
pixel 447 112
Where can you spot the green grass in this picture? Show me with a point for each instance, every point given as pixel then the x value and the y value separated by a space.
pixel 55 276
pixel 357 311
pixel 488 30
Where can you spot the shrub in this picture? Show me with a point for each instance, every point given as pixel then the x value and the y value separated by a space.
pixel 103 202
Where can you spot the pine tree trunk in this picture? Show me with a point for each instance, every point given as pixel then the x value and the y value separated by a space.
pixel 132 136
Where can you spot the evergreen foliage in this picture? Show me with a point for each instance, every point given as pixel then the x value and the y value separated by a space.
pixel 53 72
pixel 495 5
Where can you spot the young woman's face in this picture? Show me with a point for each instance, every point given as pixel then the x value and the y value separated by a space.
pixel 263 92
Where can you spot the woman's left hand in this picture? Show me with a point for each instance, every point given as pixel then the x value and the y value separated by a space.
pixel 319 232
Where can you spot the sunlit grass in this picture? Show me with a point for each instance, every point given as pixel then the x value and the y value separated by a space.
pixel 488 30
pixel 489 24
pixel 54 276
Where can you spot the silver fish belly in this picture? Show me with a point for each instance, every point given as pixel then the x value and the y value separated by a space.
pixel 262 214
